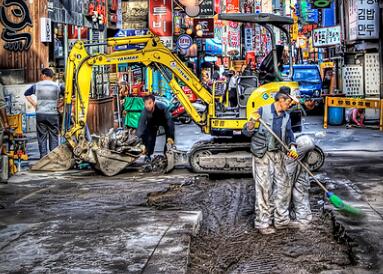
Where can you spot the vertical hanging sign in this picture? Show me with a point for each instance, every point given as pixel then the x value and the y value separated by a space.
pixel 119 15
pixel 364 19
pixel 207 8
pixel 161 20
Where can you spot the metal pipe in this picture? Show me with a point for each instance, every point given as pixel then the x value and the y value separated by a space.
pixel 274 52
pixel 291 68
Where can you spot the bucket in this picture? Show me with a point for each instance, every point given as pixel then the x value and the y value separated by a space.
pixel 335 116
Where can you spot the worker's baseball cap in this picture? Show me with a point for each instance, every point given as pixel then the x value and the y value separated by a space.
pixel 286 91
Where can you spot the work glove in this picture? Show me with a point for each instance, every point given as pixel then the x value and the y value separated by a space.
pixel 143 149
pixel 170 141
pixel 293 154
pixel 254 117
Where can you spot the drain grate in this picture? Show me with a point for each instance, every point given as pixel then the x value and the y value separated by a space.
pixel 259 266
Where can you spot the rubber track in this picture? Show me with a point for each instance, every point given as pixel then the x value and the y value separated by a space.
pixel 218 147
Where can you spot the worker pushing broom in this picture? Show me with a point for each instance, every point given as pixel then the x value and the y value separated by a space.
pixel 273 184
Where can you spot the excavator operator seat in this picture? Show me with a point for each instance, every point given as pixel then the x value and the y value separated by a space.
pixel 246 86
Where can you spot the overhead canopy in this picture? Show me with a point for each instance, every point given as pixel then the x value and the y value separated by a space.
pixel 258 18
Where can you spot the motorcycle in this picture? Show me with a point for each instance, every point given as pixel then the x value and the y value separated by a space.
pixel 177 110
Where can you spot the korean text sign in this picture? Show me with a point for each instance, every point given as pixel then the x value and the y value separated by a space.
pixel 363 19
pixel 324 37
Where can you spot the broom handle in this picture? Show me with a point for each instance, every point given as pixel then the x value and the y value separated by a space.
pixel 287 148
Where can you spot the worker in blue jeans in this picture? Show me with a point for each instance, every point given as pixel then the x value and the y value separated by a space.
pixel 47 94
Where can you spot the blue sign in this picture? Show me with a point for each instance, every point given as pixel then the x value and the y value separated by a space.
pixel 328 16
pixel 127 33
pixel 213 47
pixel 312 15
pixel 184 41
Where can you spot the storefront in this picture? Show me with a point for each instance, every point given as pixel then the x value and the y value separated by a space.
pixel 23 52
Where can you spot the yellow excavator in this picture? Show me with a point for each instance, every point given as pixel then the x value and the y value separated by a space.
pixel 227 152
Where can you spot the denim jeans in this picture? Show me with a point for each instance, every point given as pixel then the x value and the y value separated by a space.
pixel 47 126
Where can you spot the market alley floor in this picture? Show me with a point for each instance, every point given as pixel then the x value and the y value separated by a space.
pixel 81 222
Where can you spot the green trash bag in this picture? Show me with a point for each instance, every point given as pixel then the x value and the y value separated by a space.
pixel 133 107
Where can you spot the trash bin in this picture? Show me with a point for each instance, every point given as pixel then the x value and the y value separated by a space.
pixel 335 116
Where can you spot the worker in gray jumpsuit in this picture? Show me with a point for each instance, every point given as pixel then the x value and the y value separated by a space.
pixel 269 169
pixel 301 185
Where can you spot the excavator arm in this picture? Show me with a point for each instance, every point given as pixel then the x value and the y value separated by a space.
pixel 153 54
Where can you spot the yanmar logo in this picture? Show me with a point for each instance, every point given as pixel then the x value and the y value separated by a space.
pixel 128 58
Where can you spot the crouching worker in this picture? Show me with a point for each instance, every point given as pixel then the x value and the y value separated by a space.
pixel 154 115
pixel 301 184
pixel 269 169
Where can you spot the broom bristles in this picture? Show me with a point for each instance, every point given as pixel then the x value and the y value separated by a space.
pixel 341 205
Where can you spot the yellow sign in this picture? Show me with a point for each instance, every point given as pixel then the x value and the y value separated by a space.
pixel 294 28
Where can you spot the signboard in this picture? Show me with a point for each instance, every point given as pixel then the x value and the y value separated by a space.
pixel 294 28
pixel 184 41
pixel 258 6
pixel 126 33
pixel 232 6
pixel 207 25
pixel 161 20
pixel 325 37
pixel 233 39
pixel 45 30
pixel 363 19
pixel 321 4
pixel 206 8
pixel 249 45
pixel 312 15
pixel 119 15
pixel 213 47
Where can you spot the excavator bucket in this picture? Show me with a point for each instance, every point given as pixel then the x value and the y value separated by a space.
pixel 59 159
pixel 170 161
pixel 175 157
pixel 111 163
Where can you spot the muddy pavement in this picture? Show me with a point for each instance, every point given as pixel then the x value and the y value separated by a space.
pixel 90 224
pixel 359 180
pixel 228 243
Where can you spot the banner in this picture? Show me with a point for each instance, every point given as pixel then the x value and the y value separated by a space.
pixel 161 20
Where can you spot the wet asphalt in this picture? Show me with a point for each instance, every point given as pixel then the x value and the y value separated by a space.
pixel 78 222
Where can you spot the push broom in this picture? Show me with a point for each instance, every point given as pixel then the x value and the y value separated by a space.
pixel 334 199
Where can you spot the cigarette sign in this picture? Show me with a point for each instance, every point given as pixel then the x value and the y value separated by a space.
pixel 184 41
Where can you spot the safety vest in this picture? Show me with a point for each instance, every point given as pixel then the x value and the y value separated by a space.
pixel 262 140
pixel 47 93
